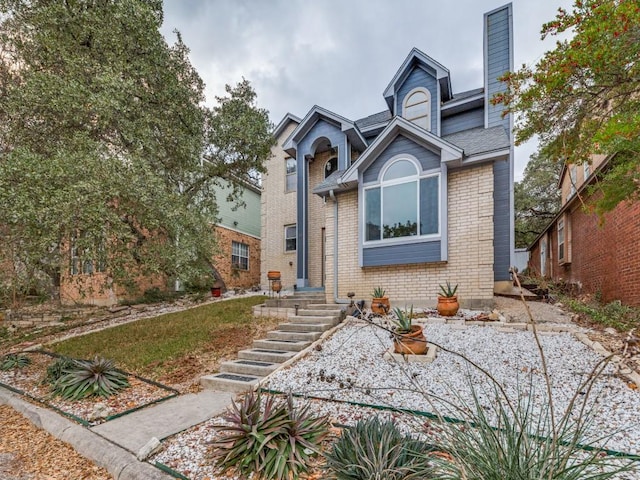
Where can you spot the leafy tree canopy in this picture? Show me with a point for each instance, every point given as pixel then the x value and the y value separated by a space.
pixel 536 198
pixel 583 97
pixel 106 145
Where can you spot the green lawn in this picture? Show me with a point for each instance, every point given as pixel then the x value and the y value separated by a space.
pixel 149 346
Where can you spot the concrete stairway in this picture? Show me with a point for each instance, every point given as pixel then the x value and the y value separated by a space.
pixel 281 345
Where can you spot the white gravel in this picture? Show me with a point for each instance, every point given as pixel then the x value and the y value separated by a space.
pixel 349 367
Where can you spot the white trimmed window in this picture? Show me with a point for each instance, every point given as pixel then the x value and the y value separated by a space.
pixel 561 240
pixel 404 204
pixel 240 256
pixel 291 177
pixel 586 170
pixel 84 261
pixel 290 238
pixel 417 107
pixel 573 179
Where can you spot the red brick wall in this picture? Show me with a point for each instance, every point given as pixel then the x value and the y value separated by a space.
pixel 605 254
pixel 222 262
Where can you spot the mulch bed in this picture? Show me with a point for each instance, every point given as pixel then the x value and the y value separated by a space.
pixel 30 382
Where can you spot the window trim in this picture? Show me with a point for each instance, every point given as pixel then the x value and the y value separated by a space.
pixel 427 101
pixel 380 183
pixel 324 168
pixel 295 237
pixel 238 265
pixel 565 258
pixel 586 170
pixel 573 180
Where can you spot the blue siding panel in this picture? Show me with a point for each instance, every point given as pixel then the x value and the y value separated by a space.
pixel 399 145
pixel 420 78
pixel 463 121
pixel 403 254
pixel 499 57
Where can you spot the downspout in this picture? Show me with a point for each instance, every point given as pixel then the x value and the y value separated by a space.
pixel 335 251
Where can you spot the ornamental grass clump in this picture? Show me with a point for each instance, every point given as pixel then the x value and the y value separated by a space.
pixel 12 361
pixel 272 439
pixel 87 378
pixel 374 449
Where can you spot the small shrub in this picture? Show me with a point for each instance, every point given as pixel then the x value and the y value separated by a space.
pixel 378 450
pixel 57 369
pixel 14 360
pixel 274 441
pixel 86 378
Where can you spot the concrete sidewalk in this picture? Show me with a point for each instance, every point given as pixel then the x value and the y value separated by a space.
pixel 115 444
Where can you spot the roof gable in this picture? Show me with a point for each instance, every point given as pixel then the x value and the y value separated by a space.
pixel 416 58
pixel 288 118
pixel 316 113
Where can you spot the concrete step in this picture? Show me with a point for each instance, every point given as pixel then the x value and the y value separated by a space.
pixel 266 355
pixel 320 312
pixel 248 367
pixel 325 306
pixel 288 345
pixel 330 320
pixel 304 327
pixel 300 336
pixel 229 382
pixel 290 302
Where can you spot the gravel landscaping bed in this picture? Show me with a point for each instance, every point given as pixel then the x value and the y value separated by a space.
pixel 92 410
pixel 348 367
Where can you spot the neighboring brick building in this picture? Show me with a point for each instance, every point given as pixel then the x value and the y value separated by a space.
pixel 408 198
pixel 591 254
pixel 237 232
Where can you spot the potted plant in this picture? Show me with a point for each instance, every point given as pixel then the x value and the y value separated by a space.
pixel 380 302
pixel 448 301
pixel 409 339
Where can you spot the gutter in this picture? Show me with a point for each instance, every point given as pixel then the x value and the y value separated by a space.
pixel 335 251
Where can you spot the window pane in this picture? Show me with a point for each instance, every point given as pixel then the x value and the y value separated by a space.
pixel 290 234
pixel 429 206
pixel 330 167
pixel 372 214
pixel 399 210
pixel 291 165
pixel 400 169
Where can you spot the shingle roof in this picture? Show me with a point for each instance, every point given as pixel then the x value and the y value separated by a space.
pixel 380 117
pixel 462 95
pixel 480 140
pixel 329 183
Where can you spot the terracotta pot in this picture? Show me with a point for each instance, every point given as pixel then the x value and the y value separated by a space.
pixel 273 275
pixel 448 306
pixel 276 286
pixel 380 305
pixel 412 343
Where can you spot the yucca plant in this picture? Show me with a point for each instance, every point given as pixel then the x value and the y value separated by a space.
pixel 86 378
pixel 57 369
pixel 274 440
pixel 14 360
pixel 374 449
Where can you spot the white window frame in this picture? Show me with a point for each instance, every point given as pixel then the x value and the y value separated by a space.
pixel 573 180
pixel 240 251
pixel 405 105
pixel 562 240
pixel 288 175
pixel 586 166
pixel 380 183
pixel 295 237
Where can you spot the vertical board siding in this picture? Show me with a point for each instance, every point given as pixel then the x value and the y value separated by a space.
pixel 498 62
pixel 463 121
pixel 400 145
pixel 403 254
pixel 420 78
pixel 246 218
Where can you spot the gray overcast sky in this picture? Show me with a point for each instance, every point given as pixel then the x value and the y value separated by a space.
pixel 341 54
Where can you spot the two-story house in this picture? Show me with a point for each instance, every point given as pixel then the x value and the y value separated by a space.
pixel 592 254
pixel 406 198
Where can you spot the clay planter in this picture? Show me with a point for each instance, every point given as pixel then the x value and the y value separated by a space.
pixel 380 305
pixel 273 275
pixel 448 306
pixel 412 343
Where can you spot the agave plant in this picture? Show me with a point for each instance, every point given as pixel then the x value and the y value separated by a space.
pixel 57 369
pixel 402 319
pixel 378 292
pixel 373 449
pixel 274 440
pixel 86 378
pixel 14 360
pixel 448 291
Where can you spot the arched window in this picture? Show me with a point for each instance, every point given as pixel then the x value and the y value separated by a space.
pixel 417 107
pixel 405 203
pixel 331 166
